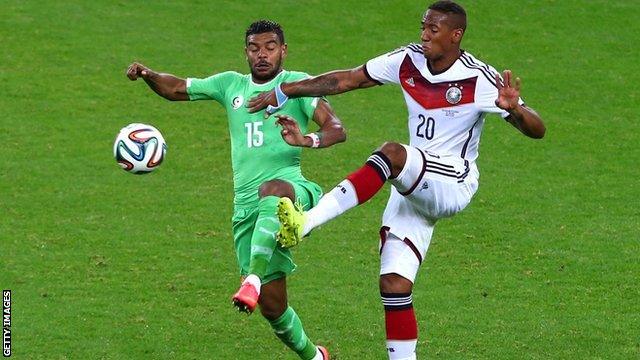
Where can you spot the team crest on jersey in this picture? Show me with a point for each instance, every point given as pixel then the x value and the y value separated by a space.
pixel 453 94
pixel 237 102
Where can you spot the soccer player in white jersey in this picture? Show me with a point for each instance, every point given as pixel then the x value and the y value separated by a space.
pixel 448 93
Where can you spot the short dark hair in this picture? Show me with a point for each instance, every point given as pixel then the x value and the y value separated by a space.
pixel 265 26
pixel 451 8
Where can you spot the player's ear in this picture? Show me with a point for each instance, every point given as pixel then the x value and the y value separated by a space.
pixel 284 50
pixel 456 35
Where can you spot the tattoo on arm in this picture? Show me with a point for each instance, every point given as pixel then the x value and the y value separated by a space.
pixel 322 85
pixel 327 84
pixel 330 84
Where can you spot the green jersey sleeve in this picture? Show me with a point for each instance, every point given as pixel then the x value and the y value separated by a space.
pixel 307 104
pixel 211 88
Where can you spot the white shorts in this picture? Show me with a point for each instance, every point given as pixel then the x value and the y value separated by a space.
pixel 428 188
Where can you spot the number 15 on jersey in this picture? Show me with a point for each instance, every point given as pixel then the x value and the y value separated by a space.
pixel 255 136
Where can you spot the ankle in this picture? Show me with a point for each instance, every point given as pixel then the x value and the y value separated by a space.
pixel 254 281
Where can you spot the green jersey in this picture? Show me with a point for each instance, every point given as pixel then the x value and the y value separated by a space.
pixel 258 152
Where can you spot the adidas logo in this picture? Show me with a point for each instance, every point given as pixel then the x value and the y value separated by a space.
pixel 410 82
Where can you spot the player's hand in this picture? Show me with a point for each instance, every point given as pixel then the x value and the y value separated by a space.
pixel 508 95
pixel 136 70
pixel 291 131
pixel 261 101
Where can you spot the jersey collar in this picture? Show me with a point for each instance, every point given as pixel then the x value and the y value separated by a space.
pixel 268 82
pixel 435 73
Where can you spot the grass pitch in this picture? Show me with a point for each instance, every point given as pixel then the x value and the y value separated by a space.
pixel 103 264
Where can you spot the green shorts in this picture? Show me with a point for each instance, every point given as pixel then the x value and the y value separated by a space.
pixel 244 220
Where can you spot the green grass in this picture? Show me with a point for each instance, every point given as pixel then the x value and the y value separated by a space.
pixel 543 264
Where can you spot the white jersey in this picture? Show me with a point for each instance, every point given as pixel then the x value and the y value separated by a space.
pixel 447 109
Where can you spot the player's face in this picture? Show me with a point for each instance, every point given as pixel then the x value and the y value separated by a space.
pixel 265 54
pixel 438 38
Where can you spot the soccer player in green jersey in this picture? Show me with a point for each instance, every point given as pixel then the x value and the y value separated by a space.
pixel 265 168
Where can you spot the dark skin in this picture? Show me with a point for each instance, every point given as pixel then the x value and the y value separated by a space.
pixel 265 55
pixel 441 35
pixel 441 46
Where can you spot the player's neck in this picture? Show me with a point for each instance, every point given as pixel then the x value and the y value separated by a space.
pixel 266 81
pixel 443 63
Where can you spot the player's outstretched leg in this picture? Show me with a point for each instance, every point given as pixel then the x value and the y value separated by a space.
pixel 285 322
pixel 288 328
pixel 263 242
pixel 360 186
pixel 400 324
pixel 398 268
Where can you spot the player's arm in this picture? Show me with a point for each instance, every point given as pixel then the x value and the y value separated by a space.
pixel 527 121
pixel 166 85
pixel 331 83
pixel 331 131
pixel 520 116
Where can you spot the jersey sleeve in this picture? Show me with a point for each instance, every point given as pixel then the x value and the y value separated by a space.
pixel 385 68
pixel 487 93
pixel 211 88
pixel 308 105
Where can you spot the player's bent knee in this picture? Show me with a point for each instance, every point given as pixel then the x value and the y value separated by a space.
pixel 279 188
pixel 396 153
pixel 394 283
pixel 392 149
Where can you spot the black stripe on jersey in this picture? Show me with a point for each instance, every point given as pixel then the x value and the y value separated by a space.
pixel 466 62
pixel 477 63
pixel 366 73
pixel 396 51
pixel 492 74
pixel 466 143
pixel 441 164
pixel 415 48
pixel 460 178
pixel 435 166
pixel 487 75
pixel 433 169
pixel 467 169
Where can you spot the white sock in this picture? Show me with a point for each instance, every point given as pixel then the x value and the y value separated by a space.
pixel 253 280
pixel 340 199
pixel 402 349
pixel 318 355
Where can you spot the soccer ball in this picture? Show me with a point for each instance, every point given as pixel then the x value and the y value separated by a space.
pixel 139 148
